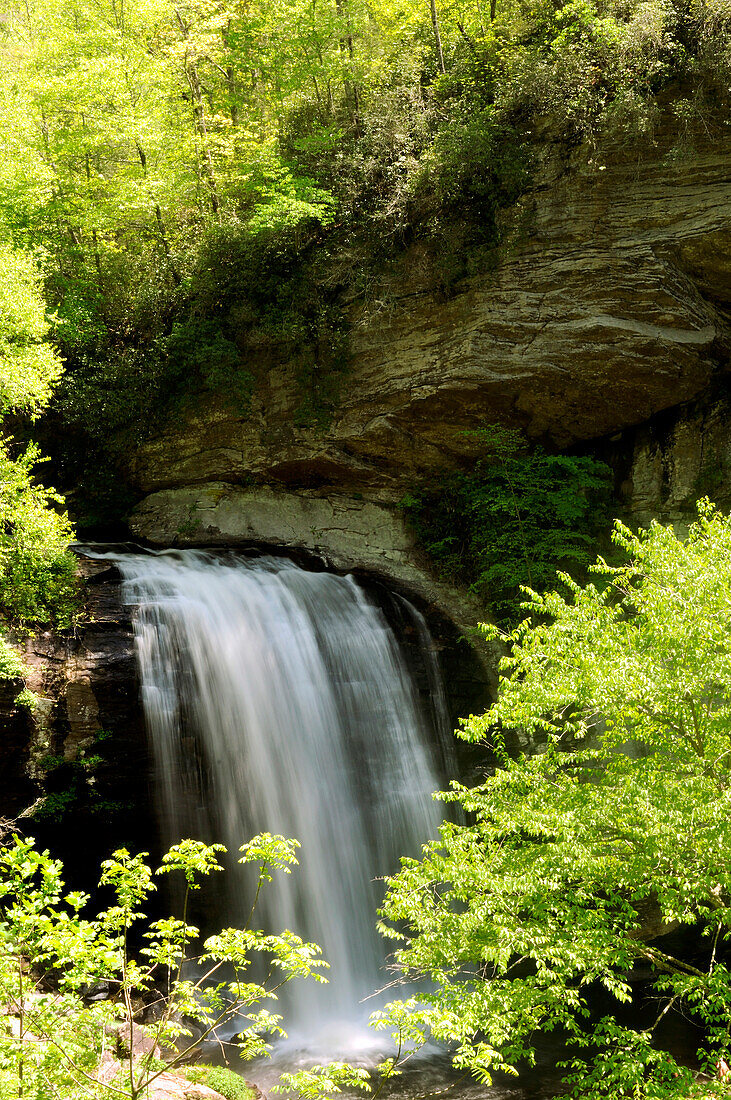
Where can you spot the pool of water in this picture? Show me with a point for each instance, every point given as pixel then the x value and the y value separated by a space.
pixel 427 1075
pixel 430 1075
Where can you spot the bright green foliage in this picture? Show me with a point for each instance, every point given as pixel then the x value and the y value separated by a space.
pixel 146 116
pixel 229 1084
pixel 52 1039
pixel 127 128
pixel 624 688
pixel 28 365
pixel 512 519
pixel 37 572
pixel 11 665
pixel 328 1080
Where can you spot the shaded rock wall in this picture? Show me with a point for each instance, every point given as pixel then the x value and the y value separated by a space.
pixel 81 755
pixel 17 787
pixel 674 459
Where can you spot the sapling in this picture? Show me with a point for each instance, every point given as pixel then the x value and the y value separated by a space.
pixel 55 1041
pixel 577 858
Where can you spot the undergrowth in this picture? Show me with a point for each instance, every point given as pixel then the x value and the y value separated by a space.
pixel 512 519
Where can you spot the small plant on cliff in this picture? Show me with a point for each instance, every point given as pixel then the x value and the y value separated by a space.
pixel 71 786
pixel 57 1042
pixel 579 858
pixel 512 519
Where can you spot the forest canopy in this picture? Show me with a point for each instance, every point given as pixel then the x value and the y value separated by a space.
pixel 206 179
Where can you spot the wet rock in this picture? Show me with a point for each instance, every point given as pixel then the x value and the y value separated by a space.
pixel 167 1086
pixel 347 534
pixel 81 754
pixel 667 464
pixel 134 1040
pixel 17 788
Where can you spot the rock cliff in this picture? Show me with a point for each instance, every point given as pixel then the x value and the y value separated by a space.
pixel 608 308
pixel 605 325
pixel 78 760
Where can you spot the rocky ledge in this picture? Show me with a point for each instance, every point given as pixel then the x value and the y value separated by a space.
pixel 346 533
pixel 610 307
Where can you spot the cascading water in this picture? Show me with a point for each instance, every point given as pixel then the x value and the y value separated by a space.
pixel 279 700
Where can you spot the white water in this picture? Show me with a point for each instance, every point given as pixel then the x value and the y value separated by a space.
pixel 279 700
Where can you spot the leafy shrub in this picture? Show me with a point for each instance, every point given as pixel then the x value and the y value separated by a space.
pixel 477 165
pixel 512 519
pixel 229 1084
pixel 257 282
pixel 55 1039
pixel 38 581
pixel 573 859
pixel 12 666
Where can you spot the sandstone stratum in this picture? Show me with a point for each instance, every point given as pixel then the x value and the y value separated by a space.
pixel 602 324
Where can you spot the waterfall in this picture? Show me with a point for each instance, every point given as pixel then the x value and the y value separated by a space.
pixel 278 699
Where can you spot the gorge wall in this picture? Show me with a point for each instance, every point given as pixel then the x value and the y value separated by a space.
pixel 602 324
pixel 76 766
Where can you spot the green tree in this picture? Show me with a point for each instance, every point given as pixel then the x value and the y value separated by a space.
pixel 55 1042
pixel 37 572
pixel 28 364
pixel 620 812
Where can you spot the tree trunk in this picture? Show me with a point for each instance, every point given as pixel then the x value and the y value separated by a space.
pixel 206 172
pixel 199 114
pixel 230 74
pixel 351 88
pixel 159 221
pixel 437 35
pixel 57 190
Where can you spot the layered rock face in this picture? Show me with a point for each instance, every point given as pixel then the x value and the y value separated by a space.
pixel 78 761
pixel 676 458
pixel 612 309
